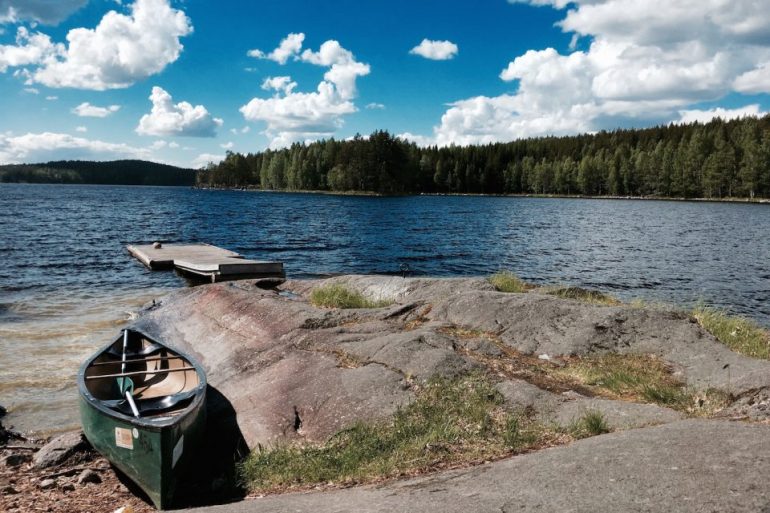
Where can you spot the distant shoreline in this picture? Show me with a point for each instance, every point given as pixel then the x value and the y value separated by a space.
pixel 762 201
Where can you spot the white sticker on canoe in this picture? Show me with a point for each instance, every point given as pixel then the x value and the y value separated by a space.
pixel 124 438
pixel 178 449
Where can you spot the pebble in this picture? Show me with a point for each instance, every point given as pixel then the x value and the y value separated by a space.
pixel 68 487
pixel 46 484
pixel 9 490
pixel 16 459
pixel 89 476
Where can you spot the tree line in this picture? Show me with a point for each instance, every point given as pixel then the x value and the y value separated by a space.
pixel 718 159
pixel 119 172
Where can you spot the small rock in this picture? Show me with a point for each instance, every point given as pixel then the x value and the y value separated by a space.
pixel 46 484
pixel 157 245
pixel 9 490
pixel 60 449
pixel 68 487
pixel 89 476
pixel 124 509
pixel 544 357
pixel 16 459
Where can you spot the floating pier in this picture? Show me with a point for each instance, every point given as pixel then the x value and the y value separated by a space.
pixel 204 261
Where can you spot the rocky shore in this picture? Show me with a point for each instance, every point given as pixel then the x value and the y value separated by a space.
pixel 282 370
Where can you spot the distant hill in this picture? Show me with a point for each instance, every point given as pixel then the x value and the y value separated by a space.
pixel 118 172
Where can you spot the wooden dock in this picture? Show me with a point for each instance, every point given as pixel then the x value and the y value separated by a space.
pixel 204 261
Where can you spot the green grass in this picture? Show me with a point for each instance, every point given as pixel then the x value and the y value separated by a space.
pixel 592 423
pixel 506 281
pixel 340 296
pixel 640 378
pixel 739 334
pixel 593 297
pixel 449 423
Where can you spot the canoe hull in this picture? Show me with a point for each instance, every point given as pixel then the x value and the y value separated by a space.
pixel 152 457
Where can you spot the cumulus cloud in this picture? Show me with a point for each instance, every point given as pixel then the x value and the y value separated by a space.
pixel 704 116
pixel 646 63
pixel 47 12
pixel 204 159
pixel 43 147
pixel 435 50
pixel 81 129
pixel 289 47
pixel 86 110
pixel 181 119
pixel 29 49
pixel 279 84
pixel 305 116
pixel 121 50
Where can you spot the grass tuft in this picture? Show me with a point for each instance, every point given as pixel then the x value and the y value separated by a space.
pixel 506 281
pixel 450 422
pixel 592 423
pixel 593 297
pixel 739 334
pixel 339 296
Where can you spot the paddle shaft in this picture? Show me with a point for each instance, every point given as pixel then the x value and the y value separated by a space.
pixel 154 359
pixel 139 373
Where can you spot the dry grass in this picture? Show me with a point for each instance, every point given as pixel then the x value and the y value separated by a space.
pixel 592 297
pixel 742 335
pixel 506 281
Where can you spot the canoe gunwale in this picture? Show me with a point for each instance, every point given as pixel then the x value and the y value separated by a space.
pixel 147 423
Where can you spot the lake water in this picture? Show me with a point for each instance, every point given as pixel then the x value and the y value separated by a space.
pixel 67 285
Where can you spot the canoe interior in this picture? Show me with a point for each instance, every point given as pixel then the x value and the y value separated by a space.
pixel 169 390
pixel 155 370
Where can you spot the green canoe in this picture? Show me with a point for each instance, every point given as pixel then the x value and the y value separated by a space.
pixel 143 406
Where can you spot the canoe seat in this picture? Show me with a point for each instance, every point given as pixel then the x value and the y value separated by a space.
pixel 150 406
pixel 145 351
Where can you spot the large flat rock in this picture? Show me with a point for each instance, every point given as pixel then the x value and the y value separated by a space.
pixel 691 466
pixel 291 371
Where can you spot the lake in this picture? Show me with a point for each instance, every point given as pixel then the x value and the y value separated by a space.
pixel 67 285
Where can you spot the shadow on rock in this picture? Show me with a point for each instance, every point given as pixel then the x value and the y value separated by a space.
pixel 213 478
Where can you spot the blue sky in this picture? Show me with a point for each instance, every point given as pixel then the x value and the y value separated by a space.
pixel 184 81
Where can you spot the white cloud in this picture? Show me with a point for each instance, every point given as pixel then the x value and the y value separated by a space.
pixel 81 129
pixel 227 146
pixel 435 50
pixel 120 51
pixel 31 90
pixel 43 147
pixel 86 110
pixel 51 98
pixel 289 47
pixel 205 158
pixel 305 116
pixel 646 63
pixel 181 119
pixel 46 12
pixel 375 106
pixel 279 84
pixel 29 49
pixel 704 116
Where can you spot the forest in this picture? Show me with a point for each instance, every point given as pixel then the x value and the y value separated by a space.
pixel 719 159
pixel 119 172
